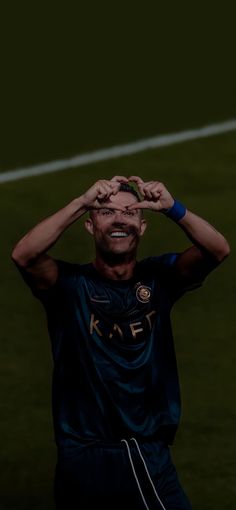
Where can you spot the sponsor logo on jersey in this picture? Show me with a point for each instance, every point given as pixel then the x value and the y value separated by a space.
pixel 143 294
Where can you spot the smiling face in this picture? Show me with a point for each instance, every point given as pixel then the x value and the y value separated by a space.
pixel 117 232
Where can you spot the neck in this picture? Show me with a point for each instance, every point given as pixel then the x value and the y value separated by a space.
pixel 115 267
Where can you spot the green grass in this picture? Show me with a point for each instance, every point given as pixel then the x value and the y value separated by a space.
pixel 202 175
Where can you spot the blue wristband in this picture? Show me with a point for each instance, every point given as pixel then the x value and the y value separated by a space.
pixel 176 212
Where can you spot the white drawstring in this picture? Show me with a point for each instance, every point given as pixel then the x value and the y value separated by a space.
pixel 135 476
pixel 146 469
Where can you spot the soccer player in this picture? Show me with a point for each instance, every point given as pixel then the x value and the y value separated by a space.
pixel 116 397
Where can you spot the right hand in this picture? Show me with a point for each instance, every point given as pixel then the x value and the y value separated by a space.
pixel 98 196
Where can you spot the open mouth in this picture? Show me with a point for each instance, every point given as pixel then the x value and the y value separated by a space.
pixel 118 234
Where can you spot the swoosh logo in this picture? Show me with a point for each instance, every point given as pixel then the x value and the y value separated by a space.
pixel 99 299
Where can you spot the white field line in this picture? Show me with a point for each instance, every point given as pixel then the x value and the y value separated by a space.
pixel 118 151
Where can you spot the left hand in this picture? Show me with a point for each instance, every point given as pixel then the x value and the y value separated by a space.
pixel 155 195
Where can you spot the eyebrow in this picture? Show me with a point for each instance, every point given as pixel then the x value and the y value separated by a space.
pixel 104 209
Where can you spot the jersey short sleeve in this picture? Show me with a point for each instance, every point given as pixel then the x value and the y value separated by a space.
pixel 61 289
pixel 164 267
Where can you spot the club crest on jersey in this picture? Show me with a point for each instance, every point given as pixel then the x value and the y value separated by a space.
pixel 143 293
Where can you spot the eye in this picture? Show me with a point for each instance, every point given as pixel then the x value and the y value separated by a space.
pixel 129 213
pixel 107 212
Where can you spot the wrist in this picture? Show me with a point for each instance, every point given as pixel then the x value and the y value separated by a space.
pixel 176 212
pixel 77 208
pixel 81 203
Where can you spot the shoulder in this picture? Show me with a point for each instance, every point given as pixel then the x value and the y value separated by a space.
pixel 67 269
pixel 160 263
pixel 67 278
pixel 69 273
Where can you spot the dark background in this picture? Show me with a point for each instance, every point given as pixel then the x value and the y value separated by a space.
pixel 81 76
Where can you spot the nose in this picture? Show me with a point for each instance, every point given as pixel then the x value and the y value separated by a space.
pixel 118 217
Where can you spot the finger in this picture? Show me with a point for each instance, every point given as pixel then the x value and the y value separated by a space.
pixel 115 187
pixel 103 195
pixel 105 189
pixel 139 205
pixel 151 190
pixel 117 207
pixel 154 186
pixel 147 190
pixel 147 193
pixel 149 184
pixel 106 205
pixel 156 194
pixel 119 178
pixel 136 178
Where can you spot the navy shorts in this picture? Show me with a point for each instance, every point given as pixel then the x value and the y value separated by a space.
pixel 125 475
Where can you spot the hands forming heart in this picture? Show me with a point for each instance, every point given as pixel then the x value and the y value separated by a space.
pixel 154 194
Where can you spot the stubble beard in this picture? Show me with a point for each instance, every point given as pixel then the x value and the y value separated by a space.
pixel 113 257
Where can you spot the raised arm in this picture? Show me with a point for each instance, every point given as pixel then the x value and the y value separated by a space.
pixel 30 252
pixel 209 248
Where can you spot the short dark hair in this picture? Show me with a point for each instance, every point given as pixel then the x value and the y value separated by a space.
pixel 129 189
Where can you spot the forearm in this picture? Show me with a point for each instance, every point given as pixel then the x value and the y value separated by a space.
pixel 45 234
pixel 204 235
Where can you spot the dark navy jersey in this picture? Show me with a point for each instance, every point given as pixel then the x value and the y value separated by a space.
pixel 115 372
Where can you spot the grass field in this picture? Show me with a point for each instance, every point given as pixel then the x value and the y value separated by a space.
pixel 202 175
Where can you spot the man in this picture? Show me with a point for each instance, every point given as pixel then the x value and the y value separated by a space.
pixel 116 401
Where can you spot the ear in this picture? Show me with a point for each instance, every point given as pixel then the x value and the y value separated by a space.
pixel 89 226
pixel 143 226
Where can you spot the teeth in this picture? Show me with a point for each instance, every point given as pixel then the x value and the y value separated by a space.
pixel 119 234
